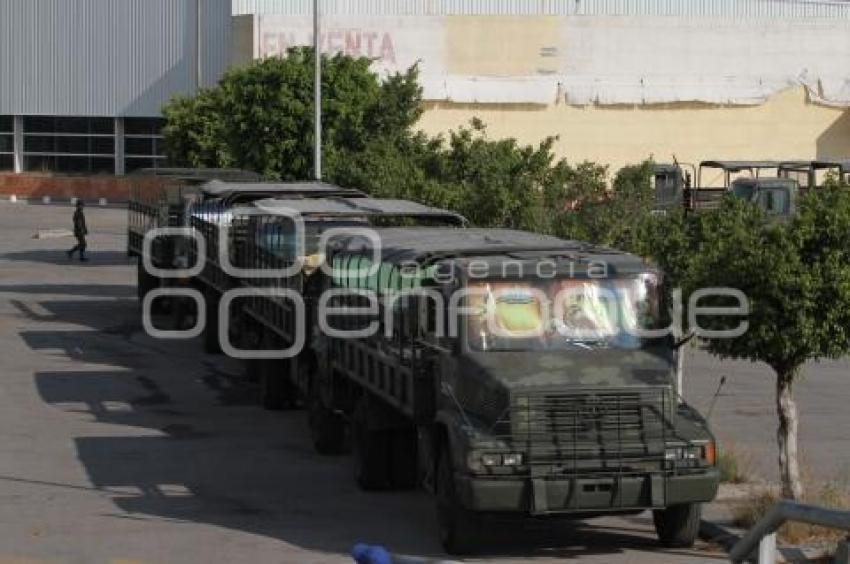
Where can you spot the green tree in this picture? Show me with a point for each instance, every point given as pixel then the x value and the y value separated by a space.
pixel 618 217
pixel 494 183
pixel 797 280
pixel 260 117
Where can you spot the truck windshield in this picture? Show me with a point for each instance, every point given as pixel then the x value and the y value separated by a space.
pixel 563 314
pixel 744 190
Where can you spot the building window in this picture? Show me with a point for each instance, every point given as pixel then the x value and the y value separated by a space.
pixel 143 143
pixel 79 145
pixel 7 143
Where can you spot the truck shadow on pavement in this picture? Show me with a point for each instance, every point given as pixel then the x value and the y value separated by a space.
pixel 203 458
pixel 83 290
pixel 261 488
pixel 254 471
pixel 60 258
pixel 116 316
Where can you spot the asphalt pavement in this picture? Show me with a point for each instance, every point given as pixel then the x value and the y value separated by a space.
pixel 117 447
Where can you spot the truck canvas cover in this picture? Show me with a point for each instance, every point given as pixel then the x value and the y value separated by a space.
pixel 201 175
pixel 233 192
pixel 428 245
pixel 357 207
pixel 739 166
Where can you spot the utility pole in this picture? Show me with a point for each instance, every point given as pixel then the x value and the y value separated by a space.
pixel 199 25
pixel 317 92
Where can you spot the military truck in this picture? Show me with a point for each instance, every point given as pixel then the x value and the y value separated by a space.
pixel 812 174
pixel 272 243
pixel 219 214
pixel 500 402
pixel 777 197
pixel 670 182
pixel 776 194
pixel 160 198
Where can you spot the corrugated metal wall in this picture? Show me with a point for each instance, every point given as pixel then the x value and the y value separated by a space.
pixel 106 57
pixel 697 8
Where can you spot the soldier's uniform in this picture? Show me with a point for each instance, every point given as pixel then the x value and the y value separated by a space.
pixel 80 232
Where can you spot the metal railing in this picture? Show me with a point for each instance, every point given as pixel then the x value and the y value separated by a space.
pixel 763 535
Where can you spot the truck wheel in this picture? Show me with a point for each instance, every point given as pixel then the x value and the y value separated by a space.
pixel 272 385
pixel 678 526
pixel 457 525
pixel 404 468
pixel 252 370
pixel 252 338
pixel 185 313
pixel 145 282
pixel 370 452
pixel 327 429
pixel 211 342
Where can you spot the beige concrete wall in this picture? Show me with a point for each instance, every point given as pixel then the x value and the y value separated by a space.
pixel 502 45
pixel 243 40
pixel 787 127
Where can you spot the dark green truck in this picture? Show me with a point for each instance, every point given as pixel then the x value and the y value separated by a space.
pixel 265 238
pixel 160 198
pixel 766 184
pixel 525 397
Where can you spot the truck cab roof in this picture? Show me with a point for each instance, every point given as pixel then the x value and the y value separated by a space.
pixel 235 192
pixel 842 165
pixel 430 245
pixel 739 166
pixel 342 208
pixel 200 175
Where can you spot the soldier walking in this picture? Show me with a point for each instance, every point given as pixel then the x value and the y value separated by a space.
pixel 80 232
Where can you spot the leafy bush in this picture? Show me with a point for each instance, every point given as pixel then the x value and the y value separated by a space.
pixel 735 465
pixel 260 118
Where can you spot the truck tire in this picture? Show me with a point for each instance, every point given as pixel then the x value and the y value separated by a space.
pixel 252 370
pixel 145 282
pixel 327 428
pixel 272 385
pixel 370 452
pixel 252 338
pixel 457 525
pixel 211 343
pixel 678 525
pixel 404 467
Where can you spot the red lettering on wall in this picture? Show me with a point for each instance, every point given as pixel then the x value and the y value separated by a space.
pixel 387 49
pixel 352 43
pixel 371 36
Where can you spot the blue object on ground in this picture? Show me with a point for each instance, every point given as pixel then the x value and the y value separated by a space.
pixel 365 554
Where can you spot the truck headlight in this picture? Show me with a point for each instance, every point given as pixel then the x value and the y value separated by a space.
pixel 695 453
pixel 488 459
pixel 478 461
pixel 514 459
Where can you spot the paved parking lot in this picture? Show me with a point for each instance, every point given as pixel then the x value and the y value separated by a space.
pixel 121 448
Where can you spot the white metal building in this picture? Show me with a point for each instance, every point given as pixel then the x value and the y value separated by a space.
pixel 82 81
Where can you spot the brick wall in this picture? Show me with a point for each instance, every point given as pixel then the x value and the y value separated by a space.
pixel 58 188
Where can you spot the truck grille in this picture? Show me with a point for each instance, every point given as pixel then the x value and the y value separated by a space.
pixel 619 430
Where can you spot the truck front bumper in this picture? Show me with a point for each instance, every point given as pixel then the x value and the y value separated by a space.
pixel 585 495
